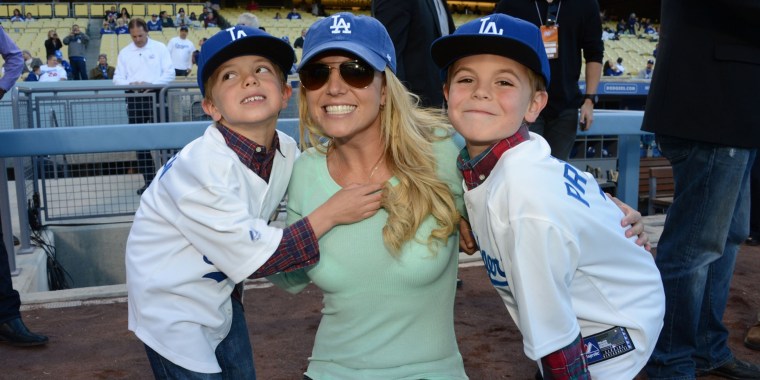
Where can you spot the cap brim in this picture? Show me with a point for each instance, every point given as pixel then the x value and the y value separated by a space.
pixel 272 48
pixel 451 48
pixel 374 60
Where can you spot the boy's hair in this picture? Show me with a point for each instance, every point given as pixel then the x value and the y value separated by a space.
pixel 238 41
pixel 407 131
pixel 497 34
pixel 35 67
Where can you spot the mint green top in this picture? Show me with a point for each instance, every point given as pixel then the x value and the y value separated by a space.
pixel 383 317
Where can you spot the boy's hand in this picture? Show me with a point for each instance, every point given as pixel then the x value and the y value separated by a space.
pixel 633 218
pixel 466 239
pixel 349 205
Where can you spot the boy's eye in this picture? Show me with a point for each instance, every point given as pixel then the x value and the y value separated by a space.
pixel 464 80
pixel 504 83
pixel 229 75
pixel 262 69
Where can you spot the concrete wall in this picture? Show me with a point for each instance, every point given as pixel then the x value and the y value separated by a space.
pixel 92 255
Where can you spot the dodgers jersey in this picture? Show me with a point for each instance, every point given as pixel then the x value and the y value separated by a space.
pixel 201 228
pixel 554 250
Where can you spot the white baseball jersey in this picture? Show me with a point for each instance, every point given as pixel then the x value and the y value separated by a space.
pixel 52 74
pixel 555 251
pixel 181 52
pixel 201 228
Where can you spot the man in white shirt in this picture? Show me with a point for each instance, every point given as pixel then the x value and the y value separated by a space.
pixel 52 72
pixel 143 62
pixel 181 50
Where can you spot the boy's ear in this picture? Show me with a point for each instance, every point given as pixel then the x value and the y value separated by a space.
pixel 537 104
pixel 446 92
pixel 211 110
pixel 287 92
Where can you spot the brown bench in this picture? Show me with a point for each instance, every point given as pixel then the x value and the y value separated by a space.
pixel 656 185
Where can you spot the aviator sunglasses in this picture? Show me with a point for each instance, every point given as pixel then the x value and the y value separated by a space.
pixel 356 73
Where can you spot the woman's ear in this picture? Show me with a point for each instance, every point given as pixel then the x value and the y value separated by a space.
pixel 536 105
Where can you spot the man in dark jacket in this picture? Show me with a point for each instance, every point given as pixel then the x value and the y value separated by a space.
pixel 704 115
pixel 413 26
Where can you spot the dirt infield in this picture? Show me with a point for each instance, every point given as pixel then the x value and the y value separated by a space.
pixel 92 342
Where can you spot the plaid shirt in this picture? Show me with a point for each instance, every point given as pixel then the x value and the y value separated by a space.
pixel 476 170
pixel 299 247
pixel 568 363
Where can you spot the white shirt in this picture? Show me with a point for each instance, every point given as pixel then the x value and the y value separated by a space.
pixel 201 228
pixel 150 63
pixel 181 51
pixel 556 253
pixel 52 74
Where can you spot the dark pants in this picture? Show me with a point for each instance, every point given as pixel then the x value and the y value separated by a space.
pixel 234 355
pixel 78 68
pixel 559 131
pixel 754 204
pixel 9 299
pixel 180 73
pixel 140 110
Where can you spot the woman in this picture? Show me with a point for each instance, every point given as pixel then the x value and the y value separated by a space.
pixel 52 44
pixel 17 17
pixel 125 14
pixel 389 282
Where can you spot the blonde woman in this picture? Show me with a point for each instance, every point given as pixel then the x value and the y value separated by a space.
pixel 389 282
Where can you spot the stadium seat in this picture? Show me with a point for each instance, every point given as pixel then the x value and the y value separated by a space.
pixel 44 10
pixel 4 11
pixel 61 10
pixel 153 9
pixel 169 8
pixel 97 11
pixel 80 10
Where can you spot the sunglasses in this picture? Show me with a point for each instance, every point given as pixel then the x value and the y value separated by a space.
pixel 356 73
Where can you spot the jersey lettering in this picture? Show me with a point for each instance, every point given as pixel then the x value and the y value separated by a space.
pixel 493 267
pixel 487 27
pixel 340 25
pixel 574 184
pixel 216 276
pixel 233 36
pixel 168 166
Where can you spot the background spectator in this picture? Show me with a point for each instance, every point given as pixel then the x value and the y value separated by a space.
pixel 154 24
pixel 195 53
pixel 77 42
pixel 17 16
pixel 646 73
pixel 182 19
pixel 298 43
pixel 181 50
pixel 52 71
pixel 248 19
pixel 34 75
pixel 29 17
pixel 106 29
pixel 611 69
pixel 293 15
pixel 29 61
pixel 103 70
pixel 52 44
pixel 212 18
pixel 620 66
pixel 121 27
pixel 166 21
pixel 125 15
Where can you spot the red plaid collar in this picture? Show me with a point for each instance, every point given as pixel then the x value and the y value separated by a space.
pixel 476 170
pixel 254 156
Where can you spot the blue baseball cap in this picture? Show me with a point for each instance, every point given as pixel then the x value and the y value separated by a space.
pixel 238 41
pixel 362 36
pixel 497 34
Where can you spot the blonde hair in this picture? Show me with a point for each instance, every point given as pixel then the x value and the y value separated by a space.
pixel 407 135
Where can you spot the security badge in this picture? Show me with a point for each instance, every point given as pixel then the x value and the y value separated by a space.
pixel 550 35
pixel 607 344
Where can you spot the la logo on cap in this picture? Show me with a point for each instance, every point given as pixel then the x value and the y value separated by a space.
pixel 489 27
pixel 240 33
pixel 340 25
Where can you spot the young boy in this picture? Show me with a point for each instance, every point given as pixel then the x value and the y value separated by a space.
pixel 201 228
pixel 586 298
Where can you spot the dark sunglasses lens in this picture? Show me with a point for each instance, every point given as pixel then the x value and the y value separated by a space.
pixel 356 74
pixel 313 77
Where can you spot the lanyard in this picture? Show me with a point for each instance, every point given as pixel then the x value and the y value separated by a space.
pixel 556 17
